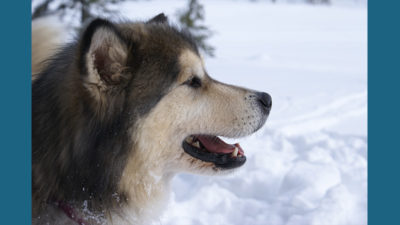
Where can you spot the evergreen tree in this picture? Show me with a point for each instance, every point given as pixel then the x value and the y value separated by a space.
pixel 327 2
pixel 191 19
pixel 84 8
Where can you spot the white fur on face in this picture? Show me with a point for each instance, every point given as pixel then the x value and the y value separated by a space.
pixel 191 65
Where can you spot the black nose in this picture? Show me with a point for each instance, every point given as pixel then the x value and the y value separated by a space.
pixel 265 100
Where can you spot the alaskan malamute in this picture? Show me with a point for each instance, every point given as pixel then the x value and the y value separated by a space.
pixel 121 110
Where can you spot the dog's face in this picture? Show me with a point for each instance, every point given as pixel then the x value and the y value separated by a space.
pixel 153 74
pixel 196 110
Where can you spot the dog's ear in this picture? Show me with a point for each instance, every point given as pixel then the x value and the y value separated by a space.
pixel 160 18
pixel 103 53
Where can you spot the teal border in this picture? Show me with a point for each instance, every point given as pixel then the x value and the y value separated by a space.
pixel 383 112
pixel 15 119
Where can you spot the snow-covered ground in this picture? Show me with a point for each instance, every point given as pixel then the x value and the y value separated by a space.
pixel 308 165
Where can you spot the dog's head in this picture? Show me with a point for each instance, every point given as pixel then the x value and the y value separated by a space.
pixel 152 74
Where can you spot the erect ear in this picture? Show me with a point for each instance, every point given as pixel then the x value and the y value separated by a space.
pixel 104 54
pixel 160 18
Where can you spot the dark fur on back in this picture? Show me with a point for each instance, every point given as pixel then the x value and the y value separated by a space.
pixel 79 148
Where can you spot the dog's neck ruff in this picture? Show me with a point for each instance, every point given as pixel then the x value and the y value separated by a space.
pixel 71 213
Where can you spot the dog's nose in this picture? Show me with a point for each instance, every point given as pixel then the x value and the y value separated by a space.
pixel 265 100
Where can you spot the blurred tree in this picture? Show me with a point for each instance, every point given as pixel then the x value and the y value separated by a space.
pixel 191 19
pixel 319 1
pixel 85 8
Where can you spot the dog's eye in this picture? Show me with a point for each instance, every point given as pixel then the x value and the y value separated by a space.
pixel 194 82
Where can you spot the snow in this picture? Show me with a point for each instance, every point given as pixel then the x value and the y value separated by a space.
pixel 308 164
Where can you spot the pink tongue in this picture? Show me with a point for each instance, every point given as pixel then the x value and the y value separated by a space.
pixel 216 145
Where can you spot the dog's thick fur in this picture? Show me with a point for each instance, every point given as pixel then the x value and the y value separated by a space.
pixel 47 36
pixel 109 114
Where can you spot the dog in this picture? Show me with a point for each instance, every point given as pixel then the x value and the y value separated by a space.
pixel 119 111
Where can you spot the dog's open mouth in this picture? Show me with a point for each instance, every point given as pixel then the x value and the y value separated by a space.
pixel 210 148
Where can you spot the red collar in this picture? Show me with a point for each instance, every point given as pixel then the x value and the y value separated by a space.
pixel 70 212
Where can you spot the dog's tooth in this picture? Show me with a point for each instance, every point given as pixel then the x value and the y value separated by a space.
pixel 235 152
pixel 196 144
pixel 189 139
